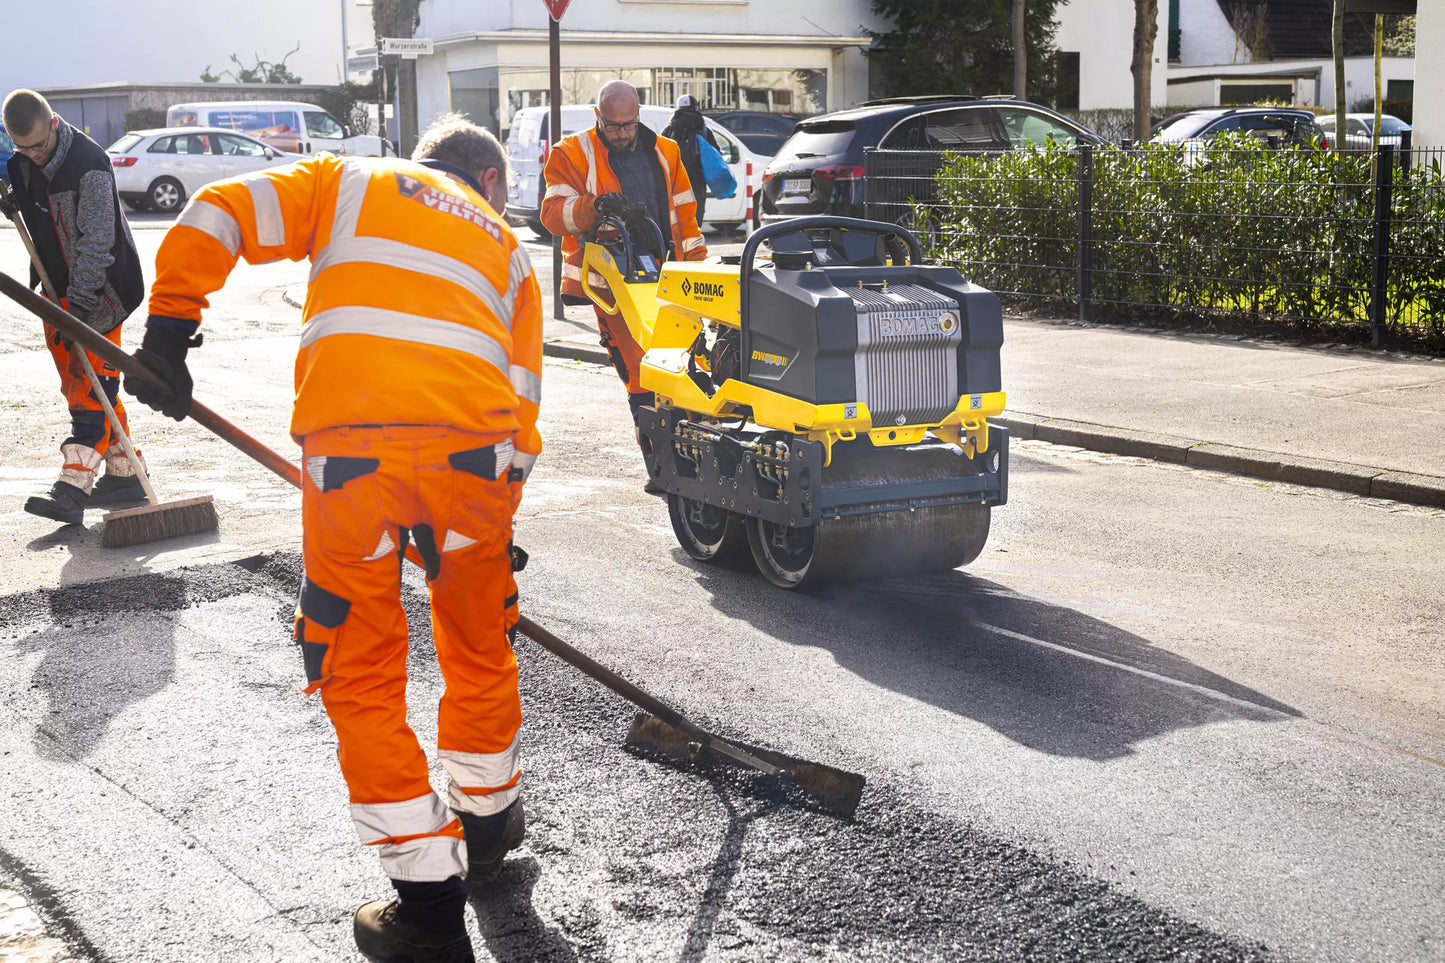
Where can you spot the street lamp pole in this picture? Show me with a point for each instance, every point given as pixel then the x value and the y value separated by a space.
pixel 345 46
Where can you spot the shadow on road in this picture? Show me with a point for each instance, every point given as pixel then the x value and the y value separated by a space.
pixel 1045 676
pixel 724 872
pixel 510 925
pixel 93 668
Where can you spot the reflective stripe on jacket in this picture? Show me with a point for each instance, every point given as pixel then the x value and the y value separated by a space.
pixel 577 172
pixel 422 307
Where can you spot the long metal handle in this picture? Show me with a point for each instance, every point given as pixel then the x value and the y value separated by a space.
pixel 86 336
pixel 101 348
pixel 121 436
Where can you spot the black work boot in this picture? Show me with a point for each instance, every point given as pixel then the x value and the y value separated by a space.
pixel 490 839
pixel 63 503
pixel 424 924
pixel 115 489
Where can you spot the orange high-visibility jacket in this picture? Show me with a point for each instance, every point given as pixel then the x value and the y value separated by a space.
pixel 422 307
pixel 577 172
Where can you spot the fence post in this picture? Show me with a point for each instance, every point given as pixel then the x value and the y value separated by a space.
pixel 1085 257
pixel 1380 269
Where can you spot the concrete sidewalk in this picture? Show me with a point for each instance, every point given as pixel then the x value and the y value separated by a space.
pixel 1331 417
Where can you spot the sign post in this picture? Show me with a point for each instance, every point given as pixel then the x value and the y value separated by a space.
pixel 554 133
pixel 408 49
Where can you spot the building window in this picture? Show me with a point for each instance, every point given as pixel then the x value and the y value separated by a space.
pixel 1399 90
pixel 474 96
pixel 800 92
pixel 1235 95
pixel 1067 95
pixel 529 87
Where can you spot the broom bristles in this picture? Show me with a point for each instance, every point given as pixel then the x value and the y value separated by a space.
pixel 152 523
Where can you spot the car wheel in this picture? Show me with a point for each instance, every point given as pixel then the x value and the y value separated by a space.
pixel 140 207
pixel 166 195
pixel 539 230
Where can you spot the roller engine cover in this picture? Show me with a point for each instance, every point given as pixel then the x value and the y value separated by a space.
pixel 905 341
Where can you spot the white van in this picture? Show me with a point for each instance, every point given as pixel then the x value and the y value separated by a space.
pixel 527 145
pixel 294 128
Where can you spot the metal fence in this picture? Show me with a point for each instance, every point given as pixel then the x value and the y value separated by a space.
pixel 1319 237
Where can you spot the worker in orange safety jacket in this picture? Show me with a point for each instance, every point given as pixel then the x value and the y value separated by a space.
pixel 600 171
pixel 417 389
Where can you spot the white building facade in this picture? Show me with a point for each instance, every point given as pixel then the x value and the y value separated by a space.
pixel 1429 120
pixel 1100 34
pixel 794 57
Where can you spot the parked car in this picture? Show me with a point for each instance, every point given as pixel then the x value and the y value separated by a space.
pixel 159 169
pixel 763 133
pixel 295 128
pixel 7 147
pixel 1359 129
pixel 1280 126
pixel 527 145
pixel 820 168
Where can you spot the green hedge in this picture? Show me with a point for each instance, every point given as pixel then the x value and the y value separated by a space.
pixel 1235 227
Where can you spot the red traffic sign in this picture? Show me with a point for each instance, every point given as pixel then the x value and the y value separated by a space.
pixel 557 7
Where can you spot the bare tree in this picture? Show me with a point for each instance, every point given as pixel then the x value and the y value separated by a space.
pixel 1379 84
pixel 1021 55
pixel 1339 44
pixel 1146 30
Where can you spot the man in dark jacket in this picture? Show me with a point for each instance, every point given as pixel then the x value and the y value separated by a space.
pixel 64 189
pixel 686 124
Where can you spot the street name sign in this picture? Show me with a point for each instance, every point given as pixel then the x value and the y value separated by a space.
pixel 360 63
pixel 407 47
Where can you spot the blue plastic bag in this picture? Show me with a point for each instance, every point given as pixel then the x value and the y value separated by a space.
pixel 715 172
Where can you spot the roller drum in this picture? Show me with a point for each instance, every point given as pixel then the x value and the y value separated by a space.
pixel 876 544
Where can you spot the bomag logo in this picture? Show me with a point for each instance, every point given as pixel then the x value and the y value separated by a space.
pixel 702 290
pixel 900 327
pixel 774 359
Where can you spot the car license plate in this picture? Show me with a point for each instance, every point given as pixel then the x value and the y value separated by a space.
pixel 798 185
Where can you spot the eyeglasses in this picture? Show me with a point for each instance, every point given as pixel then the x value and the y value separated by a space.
pixel 36 148
pixel 612 128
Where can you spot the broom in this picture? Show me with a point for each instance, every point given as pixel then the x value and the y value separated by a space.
pixel 658 730
pixel 132 526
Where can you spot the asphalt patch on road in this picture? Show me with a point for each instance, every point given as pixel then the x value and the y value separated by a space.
pixel 630 859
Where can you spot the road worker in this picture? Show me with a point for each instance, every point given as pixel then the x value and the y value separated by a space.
pixel 604 170
pixel 417 387
pixel 64 190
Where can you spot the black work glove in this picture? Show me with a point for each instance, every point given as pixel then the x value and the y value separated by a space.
pixel 164 352
pixel 8 208
pixel 613 204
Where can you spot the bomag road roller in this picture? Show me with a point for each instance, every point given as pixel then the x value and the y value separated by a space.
pixel 822 406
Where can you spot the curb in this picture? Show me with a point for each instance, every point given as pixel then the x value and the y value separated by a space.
pixel 1399 486
pixel 572 351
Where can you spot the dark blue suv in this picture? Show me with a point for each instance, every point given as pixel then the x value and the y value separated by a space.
pixel 819 170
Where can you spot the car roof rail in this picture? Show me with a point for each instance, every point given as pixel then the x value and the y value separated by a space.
pixel 999 97
pixel 918 99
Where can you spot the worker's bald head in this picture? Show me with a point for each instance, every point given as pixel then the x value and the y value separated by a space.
pixel 617 110
pixel 617 95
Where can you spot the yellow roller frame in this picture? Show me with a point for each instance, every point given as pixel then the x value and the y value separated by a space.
pixel 666 319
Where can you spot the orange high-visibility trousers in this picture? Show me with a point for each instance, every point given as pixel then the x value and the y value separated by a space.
pixel 367 491
pixel 88 424
pixel 626 356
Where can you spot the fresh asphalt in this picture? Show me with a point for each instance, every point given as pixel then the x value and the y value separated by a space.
pixel 1168 714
